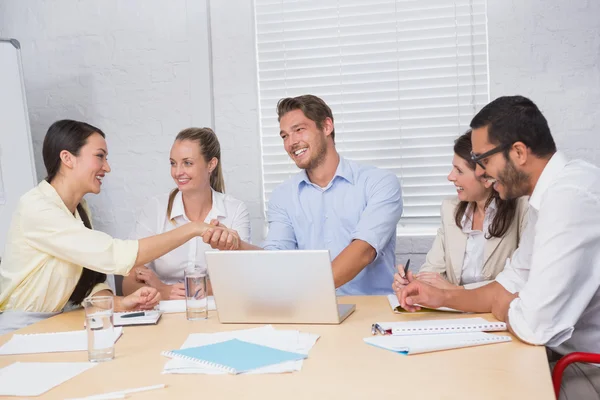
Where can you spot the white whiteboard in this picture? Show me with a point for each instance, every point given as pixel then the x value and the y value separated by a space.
pixel 17 168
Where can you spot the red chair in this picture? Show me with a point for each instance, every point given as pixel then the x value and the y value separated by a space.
pixel 567 360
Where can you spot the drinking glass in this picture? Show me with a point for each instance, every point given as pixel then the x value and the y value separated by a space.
pixel 100 330
pixel 196 302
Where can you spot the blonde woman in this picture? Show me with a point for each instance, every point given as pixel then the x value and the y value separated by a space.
pixel 199 196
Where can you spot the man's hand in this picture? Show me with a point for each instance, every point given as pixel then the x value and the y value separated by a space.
pixel 221 238
pixel 145 298
pixel 417 292
pixel 434 279
pixel 501 304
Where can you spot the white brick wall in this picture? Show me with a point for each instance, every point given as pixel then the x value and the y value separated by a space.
pixel 138 70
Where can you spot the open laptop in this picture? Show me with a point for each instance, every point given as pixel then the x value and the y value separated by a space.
pixel 281 286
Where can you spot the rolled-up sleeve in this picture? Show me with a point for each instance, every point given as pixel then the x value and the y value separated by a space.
pixel 50 230
pixel 378 221
pixel 100 287
pixel 563 258
pixel 281 234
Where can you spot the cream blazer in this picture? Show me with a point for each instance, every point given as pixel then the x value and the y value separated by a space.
pixel 448 251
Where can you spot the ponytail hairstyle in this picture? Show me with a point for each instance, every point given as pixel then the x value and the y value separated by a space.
pixel 505 209
pixel 71 136
pixel 209 148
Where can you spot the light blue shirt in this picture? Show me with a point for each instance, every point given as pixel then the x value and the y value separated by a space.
pixel 361 202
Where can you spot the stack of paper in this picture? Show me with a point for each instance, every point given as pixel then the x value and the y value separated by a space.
pixel 286 340
pixel 429 343
pixel 414 337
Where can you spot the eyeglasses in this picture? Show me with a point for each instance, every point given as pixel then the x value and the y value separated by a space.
pixel 479 158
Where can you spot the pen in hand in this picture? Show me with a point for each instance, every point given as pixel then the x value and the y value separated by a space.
pixel 406 269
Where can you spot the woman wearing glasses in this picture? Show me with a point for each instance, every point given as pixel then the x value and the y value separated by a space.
pixel 479 230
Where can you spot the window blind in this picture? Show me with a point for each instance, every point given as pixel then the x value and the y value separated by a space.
pixel 403 79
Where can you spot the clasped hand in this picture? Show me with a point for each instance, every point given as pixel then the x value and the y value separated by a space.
pixel 219 237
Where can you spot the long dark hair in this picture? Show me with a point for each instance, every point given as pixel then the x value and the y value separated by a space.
pixel 505 209
pixel 71 136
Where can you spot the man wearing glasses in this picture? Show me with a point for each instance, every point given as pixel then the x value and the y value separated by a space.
pixel 548 293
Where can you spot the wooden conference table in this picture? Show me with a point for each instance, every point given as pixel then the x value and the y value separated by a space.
pixel 340 365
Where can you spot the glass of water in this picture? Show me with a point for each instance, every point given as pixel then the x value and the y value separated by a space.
pixel 196 302
pixel 100 329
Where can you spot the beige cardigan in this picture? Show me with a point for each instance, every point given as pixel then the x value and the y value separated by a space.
pixel 448 251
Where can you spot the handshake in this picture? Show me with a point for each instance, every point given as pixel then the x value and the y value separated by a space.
pixel 219 236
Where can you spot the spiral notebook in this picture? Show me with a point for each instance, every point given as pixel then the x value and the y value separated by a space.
pixel 234 356
pixel 424 344
pixel 439 326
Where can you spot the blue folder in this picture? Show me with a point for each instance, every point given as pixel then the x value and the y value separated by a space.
pixel 235 356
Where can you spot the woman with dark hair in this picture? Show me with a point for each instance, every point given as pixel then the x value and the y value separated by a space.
pixel 53 257
pixel 479 230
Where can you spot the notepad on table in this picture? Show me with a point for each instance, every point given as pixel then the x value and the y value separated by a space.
pixel 429 343
pixel 395 304
pixel 235 356
pixel 283 339
pixel 36 378
pixel 441 326
pixel 148 318
pixel 55 342
pixel 178 306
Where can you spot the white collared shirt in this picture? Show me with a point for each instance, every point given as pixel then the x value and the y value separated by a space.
pixel 153 221
pixel 556 268
pixel 472 268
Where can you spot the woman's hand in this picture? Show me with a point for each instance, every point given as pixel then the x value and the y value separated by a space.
pixel 145 298
pixel 219 237
pixel 434 279
pixel 173 292
pixel 146 276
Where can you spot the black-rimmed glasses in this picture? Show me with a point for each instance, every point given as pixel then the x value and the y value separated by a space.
pixel 479 158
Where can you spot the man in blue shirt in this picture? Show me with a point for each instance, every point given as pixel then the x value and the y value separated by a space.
pixel 336 204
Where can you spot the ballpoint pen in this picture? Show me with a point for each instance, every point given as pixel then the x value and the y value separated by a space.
pixel 135 314
pixel 406 269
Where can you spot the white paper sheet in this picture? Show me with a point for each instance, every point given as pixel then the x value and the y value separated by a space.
pixel 178 306
pixel 36 378
pixel 49 342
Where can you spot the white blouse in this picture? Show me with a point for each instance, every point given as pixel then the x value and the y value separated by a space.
pixel 153 221
pixel 473 261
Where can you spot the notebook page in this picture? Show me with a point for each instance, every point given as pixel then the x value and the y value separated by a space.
pixel 178 306
pixel 49 342
pixel 429 343
pixel 442 326
pixel 36 378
